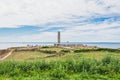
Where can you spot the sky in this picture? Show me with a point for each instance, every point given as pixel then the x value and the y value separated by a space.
pixel 78 20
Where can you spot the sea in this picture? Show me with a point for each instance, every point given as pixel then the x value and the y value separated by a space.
pixel 5 45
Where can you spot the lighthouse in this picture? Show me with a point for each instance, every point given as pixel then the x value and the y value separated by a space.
pixel 58 38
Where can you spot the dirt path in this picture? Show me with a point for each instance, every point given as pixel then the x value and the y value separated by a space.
pixel 8 54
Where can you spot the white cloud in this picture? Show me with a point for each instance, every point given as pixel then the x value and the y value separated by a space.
pixel 43 37
pixel 37 12
pixel 85 33
pixel 14 13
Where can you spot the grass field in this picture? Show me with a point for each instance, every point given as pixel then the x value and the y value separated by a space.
pixel 62 64
pixel 44 54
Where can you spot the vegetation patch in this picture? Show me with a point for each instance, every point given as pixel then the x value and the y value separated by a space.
pixel 48 51
pixel 98 49
pixel 45 47
pixel 69 69
pixel 65 51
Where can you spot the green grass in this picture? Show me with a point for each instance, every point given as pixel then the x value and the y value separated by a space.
pixel 82 64
pixel 69 69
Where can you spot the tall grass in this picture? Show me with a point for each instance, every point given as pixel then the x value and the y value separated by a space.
pixel 61 69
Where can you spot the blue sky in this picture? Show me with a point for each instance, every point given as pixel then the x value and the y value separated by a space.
pixel 78 20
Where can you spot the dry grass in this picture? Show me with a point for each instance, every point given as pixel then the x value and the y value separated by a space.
pixel 35 55
pixel 26 55
pixel 52 49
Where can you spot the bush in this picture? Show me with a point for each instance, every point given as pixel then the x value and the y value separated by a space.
pixel 99 49
pixel 65 51
pixel 58 73
pixel 48 51
pixel 106 60
pixel 45 47
pixel 83 50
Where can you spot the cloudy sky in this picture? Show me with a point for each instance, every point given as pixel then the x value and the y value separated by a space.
pixel 78 20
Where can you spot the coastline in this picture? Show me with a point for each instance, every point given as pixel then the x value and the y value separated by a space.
pixel 5 45
pixel 4 55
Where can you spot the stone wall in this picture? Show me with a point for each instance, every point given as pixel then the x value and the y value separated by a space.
pixel 74 45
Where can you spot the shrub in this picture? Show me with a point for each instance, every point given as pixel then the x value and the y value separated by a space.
pixel 58 73
pixel 45 47
pixel 83 50
pixel 106 60
pixel 48 51
pixel 65 51
pixel 98 49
